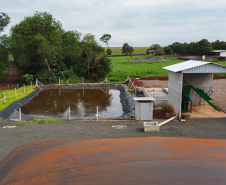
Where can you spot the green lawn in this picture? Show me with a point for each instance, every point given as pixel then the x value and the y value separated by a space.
pixel 10 95
pixel 137 50
pixel 123 69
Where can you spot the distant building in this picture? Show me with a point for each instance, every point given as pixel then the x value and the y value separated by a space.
pixel 220 55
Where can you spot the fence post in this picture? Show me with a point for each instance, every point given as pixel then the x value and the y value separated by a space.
pixel 24 87
pixel 20 114
pixel 83 80
pixel 97 114
pixel 59 81
pixel 4 99
pixel 31 84
pixel 15 93
pixel 69 115
pixel 36 84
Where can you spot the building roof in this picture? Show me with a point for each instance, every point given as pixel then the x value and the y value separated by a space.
pixel 219 51
pixel 194 66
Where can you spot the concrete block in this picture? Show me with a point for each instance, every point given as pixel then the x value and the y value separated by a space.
pixel 151 127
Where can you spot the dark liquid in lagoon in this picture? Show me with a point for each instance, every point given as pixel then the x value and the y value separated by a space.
pixel 54 103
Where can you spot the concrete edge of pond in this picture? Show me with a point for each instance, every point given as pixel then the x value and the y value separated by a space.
pixel 125 98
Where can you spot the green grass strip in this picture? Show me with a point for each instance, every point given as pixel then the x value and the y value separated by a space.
pixel 10 95
pixel 46 120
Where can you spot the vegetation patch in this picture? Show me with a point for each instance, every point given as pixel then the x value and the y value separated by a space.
pixel 137 50
pixel 11 97
pixel 4 73
pixel 123 69
pixel 130 90
pixel 46 120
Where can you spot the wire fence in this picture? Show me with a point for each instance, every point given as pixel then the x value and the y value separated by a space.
pixel 9 96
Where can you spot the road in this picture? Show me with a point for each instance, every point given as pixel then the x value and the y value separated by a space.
pixel 12 77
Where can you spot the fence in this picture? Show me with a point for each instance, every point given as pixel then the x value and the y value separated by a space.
pixel 9 96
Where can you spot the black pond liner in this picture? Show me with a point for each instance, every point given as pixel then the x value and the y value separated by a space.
pixel 125 98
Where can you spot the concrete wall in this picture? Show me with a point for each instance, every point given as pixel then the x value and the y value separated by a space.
pixel 202 81
pixel 175 84
pixel 138 109
pixel 223 54
pixel 146 94
pixel 161 103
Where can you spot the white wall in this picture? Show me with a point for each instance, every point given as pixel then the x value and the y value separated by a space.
pixel 223 54
pixel 175 84
pixel 202 81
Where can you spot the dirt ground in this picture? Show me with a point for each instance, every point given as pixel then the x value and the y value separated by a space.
pixel 12 77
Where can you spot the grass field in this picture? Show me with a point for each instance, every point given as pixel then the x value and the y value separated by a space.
pixel 137 50
pixel 10 95
pixel 123 69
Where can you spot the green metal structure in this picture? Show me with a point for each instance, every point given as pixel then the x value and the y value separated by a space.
pixel 205 96
pixel 186 99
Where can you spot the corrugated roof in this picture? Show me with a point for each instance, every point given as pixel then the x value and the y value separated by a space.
pixel 194 66
pixel 184 65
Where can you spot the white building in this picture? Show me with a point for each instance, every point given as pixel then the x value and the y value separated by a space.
pixel 198 74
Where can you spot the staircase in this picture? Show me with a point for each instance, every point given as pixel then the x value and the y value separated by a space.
pixel 205 96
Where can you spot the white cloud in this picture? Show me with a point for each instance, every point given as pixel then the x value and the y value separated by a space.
pixel 138 22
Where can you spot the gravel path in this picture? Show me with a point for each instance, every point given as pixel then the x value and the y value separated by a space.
pixel 25 132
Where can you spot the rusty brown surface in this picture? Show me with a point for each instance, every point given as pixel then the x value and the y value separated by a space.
pixel 153 160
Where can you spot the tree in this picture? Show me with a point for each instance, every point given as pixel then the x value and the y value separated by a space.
pixel 4 21
pixel 219 45
pixel 204 47
pixel 109 51
pixel 4 51
pixel 131 50
pixel 127 49
pixel 94 64
pixel 42 48
pixel 71 49
pixel 37 41
pixel 105 38
pixel 155 49
pixel 168 50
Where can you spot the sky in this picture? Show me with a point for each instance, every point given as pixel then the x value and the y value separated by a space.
pixel 136 22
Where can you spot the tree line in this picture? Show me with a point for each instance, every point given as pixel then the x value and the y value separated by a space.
pixel 202 47
pixel 42 48
pixel 4 21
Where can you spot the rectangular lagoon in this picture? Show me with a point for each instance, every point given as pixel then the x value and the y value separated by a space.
pixel 54 103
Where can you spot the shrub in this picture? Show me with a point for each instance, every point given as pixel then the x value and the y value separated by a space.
pixel 26 78
pixel 109 51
